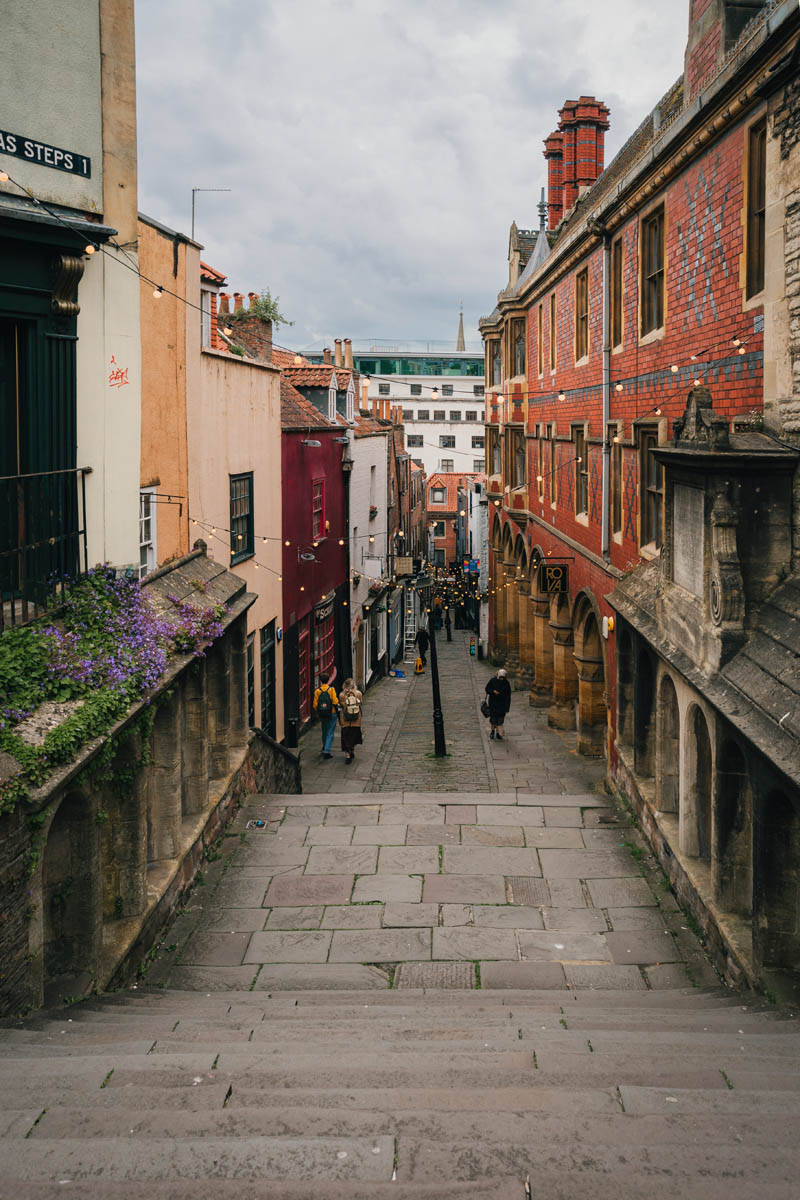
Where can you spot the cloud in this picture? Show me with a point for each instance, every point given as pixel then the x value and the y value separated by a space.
pixel 376 152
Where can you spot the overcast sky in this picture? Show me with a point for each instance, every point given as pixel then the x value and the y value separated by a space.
pixel 377 151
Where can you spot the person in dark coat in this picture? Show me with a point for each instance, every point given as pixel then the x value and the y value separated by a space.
pixel 448 624
pixel 423 641
pixel 498 694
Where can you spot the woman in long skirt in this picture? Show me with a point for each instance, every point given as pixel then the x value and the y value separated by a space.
pixel 350 719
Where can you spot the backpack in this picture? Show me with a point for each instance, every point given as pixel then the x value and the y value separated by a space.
pixel 351 706
pixel 324 704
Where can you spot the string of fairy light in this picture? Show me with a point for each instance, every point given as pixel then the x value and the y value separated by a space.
pixel 90 247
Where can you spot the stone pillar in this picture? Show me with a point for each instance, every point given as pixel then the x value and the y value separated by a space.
pixel 592 715
pixel 512 623
pixel 497 647
pixel 164 784
pixel 240 730
pixel 526 650
pixel 561 713
pixel 219 708
pixel 132 845
pixel 194 774
pixel 541 692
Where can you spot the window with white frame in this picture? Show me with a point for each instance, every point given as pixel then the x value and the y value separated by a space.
pixel 205 318
pixel 478 465
pixel 471 414
pixel 446 464
pixel 148 556
pixel 383 389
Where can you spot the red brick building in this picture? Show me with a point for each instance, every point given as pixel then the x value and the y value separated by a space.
pixel 445 494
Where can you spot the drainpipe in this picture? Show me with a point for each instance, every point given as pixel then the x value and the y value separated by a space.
pixel 597 226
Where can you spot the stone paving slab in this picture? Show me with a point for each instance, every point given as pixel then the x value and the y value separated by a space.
pixel 534 975
pixel 215 949
pixel 521 889
pixel 440 975
pixel 666 976
pixel 576 920
pixel 553 839
pixel 389 945
pixel 237 920
pixel 640 948
pixel 492 835
pixel 310 889
pixel 380 835
pixel 468 798
pixel 305 814
pixel 404 916
pixel 334 860
pixel 433 835
pixel 620 893
pixel 461 814
pixel 455 914
pixel 562 800
pixel 329 835
pixel 295 946
pixel 211 979
pixel 402 888
pixel 587 864
pixel 485 860
pixel 464 889
pixel 295 918
pixel 603 839
pixel 357 814
pixel 409 860
pixel 636 919
pixel 562 818
pixel 474 944
pixel 352 916
pixel 414 814
pixel 507 916
pixel 508 814
pixel 243 893
pixel 334 977
pixel 610 978
pixel 561 946
pixel 567 893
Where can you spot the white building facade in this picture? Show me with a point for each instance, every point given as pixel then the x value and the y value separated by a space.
pixel 369 564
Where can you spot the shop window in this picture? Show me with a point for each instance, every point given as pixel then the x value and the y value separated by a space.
pixel 323 643
pixel 241 502
pixel 653 271
pixel 304 674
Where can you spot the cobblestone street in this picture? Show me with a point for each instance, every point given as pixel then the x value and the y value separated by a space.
pixel 502 865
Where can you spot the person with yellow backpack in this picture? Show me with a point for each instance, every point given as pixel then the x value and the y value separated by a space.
pixel 326 705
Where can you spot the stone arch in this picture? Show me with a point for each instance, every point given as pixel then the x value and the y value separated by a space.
pixel 71 893
pixel 696 813
pixel 521 632
pixel 732 864
pixel 644 705
pixel 561 713
pixel 541 691
pixel 590 662
pixel 625 679
pixel 777 892
pixel 668 747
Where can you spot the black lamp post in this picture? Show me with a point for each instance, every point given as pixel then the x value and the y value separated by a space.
pixel 439 744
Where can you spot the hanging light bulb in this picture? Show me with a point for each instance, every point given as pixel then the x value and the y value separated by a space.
pixel 674 368
pixel 280 578
pixel 619 387
pixel 372 537
pixel 89 248
pixel 297 360
pixel 737 341
pixel 341 541
pixel 213 529
pixel 302 588
pixel 615 437
pixel 344 604
pixel 227 330
pixel 157 293
pixel 287 542
pixel 741 350
pixel 265 540
pixel 562 395
pixel 255 565
pixel 435 393
pixel 657 411
pixel 3 177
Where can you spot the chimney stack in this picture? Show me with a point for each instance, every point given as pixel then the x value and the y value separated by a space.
pixel 238 301
pixel 364 395
pixel 348 353
pixel 224 302
pixel 251 296
pixel 326 355
pixel 554 152
pixel 582 124
pixel 374 406
pixel 337 352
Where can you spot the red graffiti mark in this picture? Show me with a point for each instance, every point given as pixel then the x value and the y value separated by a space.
pixel 117 376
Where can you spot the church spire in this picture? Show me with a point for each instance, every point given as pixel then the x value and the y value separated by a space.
pixel 460 340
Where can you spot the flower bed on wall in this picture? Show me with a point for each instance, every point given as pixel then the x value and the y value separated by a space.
pixel 67 680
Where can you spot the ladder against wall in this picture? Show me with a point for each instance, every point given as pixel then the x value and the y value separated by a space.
pixel 410 627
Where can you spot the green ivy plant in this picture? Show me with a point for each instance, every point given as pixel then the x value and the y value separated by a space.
pixel 265 306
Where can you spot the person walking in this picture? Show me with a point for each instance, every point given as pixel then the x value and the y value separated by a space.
pixel 448 624
pixel 498 692
pixel 350 719
pixel 325 705
pixel 423 641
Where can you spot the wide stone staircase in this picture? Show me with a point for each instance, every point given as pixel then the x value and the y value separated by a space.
pixel 445 1094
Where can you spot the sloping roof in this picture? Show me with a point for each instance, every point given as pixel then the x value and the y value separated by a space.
pixel 312 376
pixel 285 358
pixel 210 275
pixel 366 425
pixel 297 412
pixel 540 252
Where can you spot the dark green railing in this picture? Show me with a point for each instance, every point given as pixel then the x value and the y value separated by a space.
pixel 43 547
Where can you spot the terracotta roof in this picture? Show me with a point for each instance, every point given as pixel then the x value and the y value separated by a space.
pixel 210 275
pixel 297 412
pixel 285 358
pixel 450 481
pixel 366 424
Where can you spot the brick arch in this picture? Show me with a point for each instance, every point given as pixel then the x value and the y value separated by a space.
pixel 668 746
pixel 589 652
pixel 71 891
pixel 695 823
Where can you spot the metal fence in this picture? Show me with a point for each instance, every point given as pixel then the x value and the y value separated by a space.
pixel 43 545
